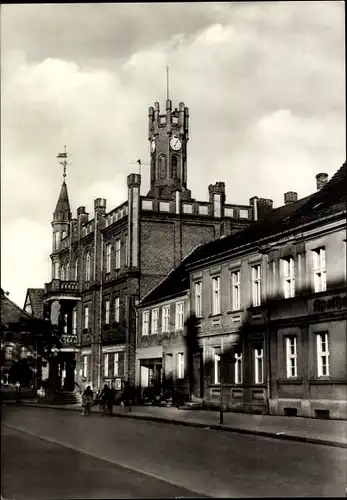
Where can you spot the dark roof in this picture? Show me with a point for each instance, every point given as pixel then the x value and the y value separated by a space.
pixel 35 299
pixel 10 312
pixel 328 200
pixel 62 212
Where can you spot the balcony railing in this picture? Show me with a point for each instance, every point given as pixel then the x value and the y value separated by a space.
pixel 61 286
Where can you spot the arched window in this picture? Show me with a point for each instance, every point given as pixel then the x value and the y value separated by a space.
pixel 67 271
pixel 63 235
pixel 153 168
pixel 62 272
pixel 162 167
pixel 56 270
pixel 56 240
pixel 174 167
pixel 87 267
pixel 76 269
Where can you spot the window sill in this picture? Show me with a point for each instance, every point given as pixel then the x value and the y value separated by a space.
pixel 218 315
pixel 237 311
pixel 290 380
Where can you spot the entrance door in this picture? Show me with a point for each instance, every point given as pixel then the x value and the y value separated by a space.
pixel 198 389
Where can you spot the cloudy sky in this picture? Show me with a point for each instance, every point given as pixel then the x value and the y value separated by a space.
pixel 264 83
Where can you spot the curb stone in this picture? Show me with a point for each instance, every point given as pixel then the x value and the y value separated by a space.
pixel 201 425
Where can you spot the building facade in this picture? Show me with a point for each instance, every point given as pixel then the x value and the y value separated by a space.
pixel 103 266
pixel 272 309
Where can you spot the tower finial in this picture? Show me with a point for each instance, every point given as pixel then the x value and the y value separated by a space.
pixel 167 83
pixel 63 156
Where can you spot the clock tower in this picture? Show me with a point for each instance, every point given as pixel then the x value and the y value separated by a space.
pixel 168 137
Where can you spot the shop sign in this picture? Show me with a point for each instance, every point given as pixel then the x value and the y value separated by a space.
pixel 338 302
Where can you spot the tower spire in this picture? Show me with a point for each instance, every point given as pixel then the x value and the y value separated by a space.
pixel 63 156
pixel 167 83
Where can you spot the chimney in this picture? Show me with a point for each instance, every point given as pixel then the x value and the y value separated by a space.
pixel 290 197
pixel 254 204
pixel 265 205
pixel 321 180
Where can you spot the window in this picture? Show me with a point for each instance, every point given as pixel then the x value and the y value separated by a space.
pixel 162 167
pixel 8 352
pixel 174 167
pixel 216 295
pixel 216 366
pixel 108 258
pixel 65 323
pixel 118 254
pixel 126 250
pixel 238 367
pixel 235 291
pixel 86 317
pixel 116 364
pixel 62 273
pixel 107 312
pixel 74 321
pixel 155 315
pixel 256 286
pixel 85 366
pixel 76 269
pixel 145 323
pixel 106 365
pixel 291 357
pixel 323 368
pixel 217 205
pixel 67 271
pixel 116 308
pixel 179 316
pixel 197 293
pixel 87 274
pixel 56 240
pixel 180 365
pixel 288 277
pixel 319 270
pixel 243 213
pixel 166 319
pixel 63 235
pixel 259 365
pixel 56 270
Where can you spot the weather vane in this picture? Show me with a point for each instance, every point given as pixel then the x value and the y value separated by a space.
pixel 63 157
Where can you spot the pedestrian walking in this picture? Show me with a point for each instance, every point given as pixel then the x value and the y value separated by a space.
pixel 126 396
pixel 106 397
pixel 87 401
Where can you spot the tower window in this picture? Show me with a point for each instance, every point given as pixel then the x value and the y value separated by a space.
pixel 56 240
pixel 162 167
pixel 174 167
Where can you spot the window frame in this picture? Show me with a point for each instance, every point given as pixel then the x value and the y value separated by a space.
pixel 288 276
pixel 116 364
pixel 198 298
pixel 258 355
pixel 117 253
pixel 87 268
pixel 86 317
pixel 319 269
pixel 320 354
pixel 85 366
pixel 236 290
pixel 165 318
pixel 107 311
pixel 238 368
pixel 180 365
pixel 216 295
pixel 116 308
pixel 155 321
pixel 291 356
pixel 145 323
pixel 108 257
pixel 106 364
pixel 216 366
pixel 256 285
pixel 179 315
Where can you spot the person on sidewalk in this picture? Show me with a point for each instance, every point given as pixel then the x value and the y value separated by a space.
pixel 126 396
pixel 106 397
pixel 87 401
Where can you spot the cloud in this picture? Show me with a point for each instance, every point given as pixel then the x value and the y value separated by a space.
pixel 264 84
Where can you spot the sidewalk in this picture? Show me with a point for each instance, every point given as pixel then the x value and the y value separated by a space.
pixel 308 430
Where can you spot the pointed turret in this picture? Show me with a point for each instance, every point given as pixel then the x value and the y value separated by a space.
pixel 62 212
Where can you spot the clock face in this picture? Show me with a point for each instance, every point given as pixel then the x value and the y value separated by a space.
pixel 175 144
pixel 153 146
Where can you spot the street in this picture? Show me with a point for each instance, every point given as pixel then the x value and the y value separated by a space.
pixel 48 454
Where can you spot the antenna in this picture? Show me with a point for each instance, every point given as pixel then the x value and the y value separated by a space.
pixel 63 156
pixel 167 83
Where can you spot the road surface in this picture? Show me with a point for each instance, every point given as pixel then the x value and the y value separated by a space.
pixel 51 454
